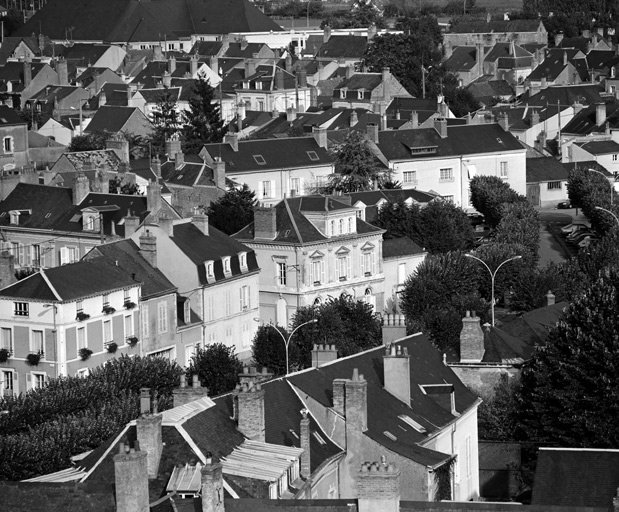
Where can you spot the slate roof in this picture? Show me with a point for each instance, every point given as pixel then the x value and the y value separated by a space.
pixel 483 27
pixel 460 140
pixel 113 119
pixel 54 92
pixel 424 107
pixel 365 81
pixel 485 90
pixel 293 227
pixel 566 95
pixel 396 247
pixel 545 169
pixel 426 368
pixel 9 117
pixel 115 96
pixel 584 477
pixel 504 50
pixel 463 58
pixel 343 47
pixel 277 154
pixel 14 72
pixel 599 147
pixel 587 164
pixel 126 254
pixel 585 122
pixel 533 327
pixel 551 67
pixel 503 348
pixel 71 282
pixel 207 48
pixel 81 54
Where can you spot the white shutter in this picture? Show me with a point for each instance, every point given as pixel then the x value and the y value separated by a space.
pixel 311 273
pixel 337 268
pixel 22 255
pixel 16 383
pixel 64 255
pixel 348 272
pixel 363 264
pixel 301 185
pixel 322 271
pixel 373 263
pixel 28 381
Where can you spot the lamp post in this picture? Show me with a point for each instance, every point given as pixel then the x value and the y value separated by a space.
pixel 608 211
pixel 424 71
pixel 612 189
pixel 287 341
pixel 492 276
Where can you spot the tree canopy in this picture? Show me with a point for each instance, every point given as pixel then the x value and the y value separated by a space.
pixel 88 142
pixel 165 119
pixel 269 350
pixel 217 367
pixel 234 210
pixel 489 194
pixel 361 14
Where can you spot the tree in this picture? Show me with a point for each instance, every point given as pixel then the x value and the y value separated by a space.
pixel 119 186
pixel 488 194
pixel 233 211
pixel 497 414
pixel 88 142
pixel 165 119
pixel 269 350
pixel 520 226
pixel 356 167
pixel 217 367
pixel 349 324
pixel 362 14
pixel 202 122
pixel 569 389
pixel 400 220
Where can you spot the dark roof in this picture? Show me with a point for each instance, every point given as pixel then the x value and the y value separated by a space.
pixel 14 72
pixel 426 368
pixel 462 58
pixel 483 27
pixel 585 121
pixel 505 50
pixel 365 81
pixel 599 147
pixel 277 154
pixel 207 48
pixel 9 116
pixel 343 47
pixel 533 327
pixel 551 67
pixel 293 227
pixel 587 164
pixel 214 246
pixel 503 348
pixel 545 169
pixel 582 477
pixel 126 254
pixel 485 89
pixel 82 54
pixel 113 119
pixel 71 282
pixel 460 140
pixel 395 247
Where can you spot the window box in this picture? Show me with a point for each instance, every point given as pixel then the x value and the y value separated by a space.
pixel 368 274
pixel 81 316
pixel 316 283
pixel 132 341
pixel 111 347
pixel 343 278
pixel 33 359
pixel 130 305
pixel 84 353
pixel 108 310
pixel 4 355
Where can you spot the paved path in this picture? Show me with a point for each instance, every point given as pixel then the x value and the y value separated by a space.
pixel 552 246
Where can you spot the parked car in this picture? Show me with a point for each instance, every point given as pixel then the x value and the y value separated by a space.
pixel 564 205
pixel 574 226
pixel 587 241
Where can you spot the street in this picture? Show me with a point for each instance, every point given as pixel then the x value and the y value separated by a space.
pixel 552 246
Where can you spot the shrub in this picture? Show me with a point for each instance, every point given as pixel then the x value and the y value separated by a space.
pixel 108 310
pixel 81 316
pixel 112 347
pixel 34 358
pixel 84 353
pixel 4 355
pixel 132 341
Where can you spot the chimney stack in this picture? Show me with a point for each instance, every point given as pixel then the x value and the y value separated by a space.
pixel 322 354
pixel 378 487
pixel 156 166
pixel 172 65
pixel 471 339
pixel 200 220
pixel 339 396
pixel 304 431
pixel 81 188
pixel 397 372
pixel 415 119
pixel 503 121
pixel 219 173
pixel 279 79
pixel 7 269
pixel 250 68
pixel 265 222
pixel 354 118
pixel 185 394
pixel 440 125
pixel 148 428
pixel 291 114
pixel 302 78
pixel 153 197
pixel 131 224
pixel 550 298
pixel 212 489
pixel 131 477
pixel 148 248
pixel 356 403
pixel 27 73
pixel 63 73
pixel 233 140
pixel 326 35
pixel 600 114
pixel 166 224
pixel 394 328
pixel 558 38
pixel 372 132
pixel 172 147
pixel 250 410
pixel 320 136
pixel 251 376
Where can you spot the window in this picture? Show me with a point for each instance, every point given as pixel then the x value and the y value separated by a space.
pixel 341 226
pixel 332 228
pixel 259 159
pixel 343 93
pixel 401 273
pixel 228 303
pixel 8 144
pixel 126 296
pixel 554 185
pixel 210 272
pixel 35 255
pixel 243 260
pixel 38 380
pixel 313 156
pixel 21 309
pixel 107 331
pixel 368 263
pixel 128 326
pixel 187 311
pixel 281 274
pixel 106 300
pixel 91 222
pixel 162 317
pixel 350 228
pixel 68 255
pixel 295 185
pixel 446 175
pixel 144 315
pixel 210 308
pixel 360 94
pixel 449 198
pixel 36 342
pixel 266 189
pixel 342 267
pixel 6 339
pixel 244 298
pixel 614 158
pixel 503 170
pixel 317 272
pixel 8 382
pixel 81 338
pixel 410 177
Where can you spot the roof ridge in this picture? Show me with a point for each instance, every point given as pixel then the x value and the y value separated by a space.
pixel 294 223
pixel 51 286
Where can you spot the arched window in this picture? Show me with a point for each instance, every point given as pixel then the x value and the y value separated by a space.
pixel 341 226
pixel 332 228
pixel 350 229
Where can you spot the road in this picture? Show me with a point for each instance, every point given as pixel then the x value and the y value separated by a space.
pixel 552 246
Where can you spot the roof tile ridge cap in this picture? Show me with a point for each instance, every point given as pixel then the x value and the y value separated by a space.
pixel 294 223
pixel 51 286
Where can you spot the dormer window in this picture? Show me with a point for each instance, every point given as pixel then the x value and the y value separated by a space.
pixel 350 228
pixel 341 226
pixel 8 145
pixel 360 94
pixel 332 228
pixel 243 261
pixel 14 217
pixel 226 262
pixel 91 222
pixel 313 156
pixel 187 311
pixel 258 85
pixel 209 266
pixel 245 85
pixel 343 93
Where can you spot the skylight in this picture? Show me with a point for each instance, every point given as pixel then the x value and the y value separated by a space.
pixel 259 159
pixel 318 437
pixel 313 156
pixel 390 435
pixel 410 421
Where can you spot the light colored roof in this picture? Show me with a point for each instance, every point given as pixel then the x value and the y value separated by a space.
pixel 179 415
pixel 261 461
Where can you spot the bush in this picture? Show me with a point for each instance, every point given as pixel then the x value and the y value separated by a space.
pixel 217 367
pixel 84 353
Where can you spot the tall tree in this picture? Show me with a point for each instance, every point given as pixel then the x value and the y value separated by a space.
pixel 234 210
pixel 489 194
pixel 202 122
pixel 520 226
pixel 269 350
pixel 165 119
pixel 88 142
pixel 362 14
pixel 217 366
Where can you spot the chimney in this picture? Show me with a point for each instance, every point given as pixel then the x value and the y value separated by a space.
pixel 448 49
pixel 565 58
pixel 302 78
pixel 27 73
pixel 250 68
pixel 148 248
pixel 291 114
pixel 350 71
pixel 356 403
pixel 233 140
pixel 166 79
pixel 534 117
pixel 320 136
pixel 265 222
pixel 354 118
pixel 172 65
pixel 251 376
pixel 372 132
pixel 386 79
pixel 288 62
pixel 326 35
pixel 577 107
pixel 81 188
pixel 550 299
pixel 63 73
pixel 251 411
pixel 156 166
pixel 304 434
pixel 212 485
pixel 179 160
pixel 397 373
pixel 339 396
pixel 7 269
pixel 394 328
pixel 322 354
pixel 131 477
pixel 213 63
pixel 558 38
pixel 378 488
pixel 185 394
pixel 172 146
pixel 503 121
pixel 440 125
pixel 200 220
pixel 279 79
pixel 120 145
pixel 415 119
pixel 148 428
pixel 543 83
pixel 241 110
pixel 479 55
pixel 471 339
pixel 219 173
pixel 102 182
pixel 166 224
pixel 600 114
pixel 153 197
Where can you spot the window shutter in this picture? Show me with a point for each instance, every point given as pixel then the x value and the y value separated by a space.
pixel 363 264
pixel 28 381
pixel 64 255
pixel 22 255
pixel 241 296
pixel 337 268
pixel 373 264
pixel 16 383
pixel 272 189
pixel 322 271
pixel 311 273
pixel 348 272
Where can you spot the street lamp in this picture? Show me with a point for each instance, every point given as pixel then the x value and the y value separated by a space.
pixel 608 211
pixel 612 189
pixel 424 71
pixel 492 276
pixel 287 341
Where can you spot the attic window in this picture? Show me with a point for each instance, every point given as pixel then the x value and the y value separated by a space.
pixel 180 177
pixel 48 215
pixel 313 156
pixel 259 159
pixel 390 435
pixel 499 140
pixel 410 421
pixel 75 218
pixel 318 437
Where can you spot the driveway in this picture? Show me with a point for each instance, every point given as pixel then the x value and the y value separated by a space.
pixel 552 245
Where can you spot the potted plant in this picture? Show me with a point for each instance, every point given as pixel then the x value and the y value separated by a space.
pixel 108 310
pixel 33 358
pixel 130 304
pixel 4 355
pixel 84 353
pixel 132 341
pixel 112 347
pixel 81 316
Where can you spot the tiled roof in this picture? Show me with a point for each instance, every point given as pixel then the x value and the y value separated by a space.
pixel 545 169
pixel 384 410
pixel 114 119
pixel 599 147
pixel 126 254
pixel 483 27
pixel 276 153
pixel 584 477
pixel 343 47
pixel 396 247
pixel 96 156
pixel 71 282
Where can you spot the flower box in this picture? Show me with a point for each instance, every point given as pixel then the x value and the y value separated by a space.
pixel 111 347
pixel 84 353
pixel 108 310
pixel 130 305
pixel 34 358
pixel 81 316
pixel 4 355
pixel 132 341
